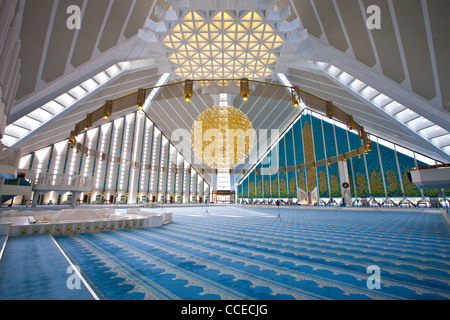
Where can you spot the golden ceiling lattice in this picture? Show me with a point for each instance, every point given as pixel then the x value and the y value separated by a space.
pixel 223 46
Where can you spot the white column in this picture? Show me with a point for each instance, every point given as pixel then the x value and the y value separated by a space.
pixel 155 162
pixel 180 178
pixel 344 177
pixel 116 145
pixel 136 157
pixel 162 178
pixel 102 164
pixel 146 160
pixel 127 144
pixel 186 182
pixel 88 160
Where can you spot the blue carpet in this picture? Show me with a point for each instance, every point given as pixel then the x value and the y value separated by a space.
pixel 240 253
pixel 33 268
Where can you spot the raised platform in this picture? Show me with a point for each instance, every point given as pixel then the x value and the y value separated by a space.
pixel 73 221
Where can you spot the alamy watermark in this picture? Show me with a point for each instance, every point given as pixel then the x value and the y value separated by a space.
pixel 374 20
pixel 73 280
pixel 74 20
pixel 374 280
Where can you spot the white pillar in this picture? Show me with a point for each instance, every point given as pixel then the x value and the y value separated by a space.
pixel 344 178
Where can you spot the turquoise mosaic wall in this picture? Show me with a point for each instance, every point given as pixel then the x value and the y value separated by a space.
pixel 383 172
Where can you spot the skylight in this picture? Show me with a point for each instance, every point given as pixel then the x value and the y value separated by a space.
pixel 284 80
pixel 223 46
pixel 35 119
pixel 435 134
pixel 161 81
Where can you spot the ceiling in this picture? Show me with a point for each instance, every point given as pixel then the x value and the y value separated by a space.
pixel 393 80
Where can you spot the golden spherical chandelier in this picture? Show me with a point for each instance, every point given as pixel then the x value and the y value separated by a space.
pixel 222 137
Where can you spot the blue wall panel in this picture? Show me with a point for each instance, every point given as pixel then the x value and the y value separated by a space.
pixel 290 162
pixel 390 169
pixel 299 156
pixel 319 149
pixel 374 174
pixel 359 167
pixel 406 164
pixel 259 183
pixel 245 188
pixel 333 170
pixel 282 172
pixel 251 185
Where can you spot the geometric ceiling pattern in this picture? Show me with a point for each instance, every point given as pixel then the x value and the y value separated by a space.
pixel 223 46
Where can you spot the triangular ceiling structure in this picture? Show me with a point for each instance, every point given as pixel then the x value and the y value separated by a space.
pixel 393 80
